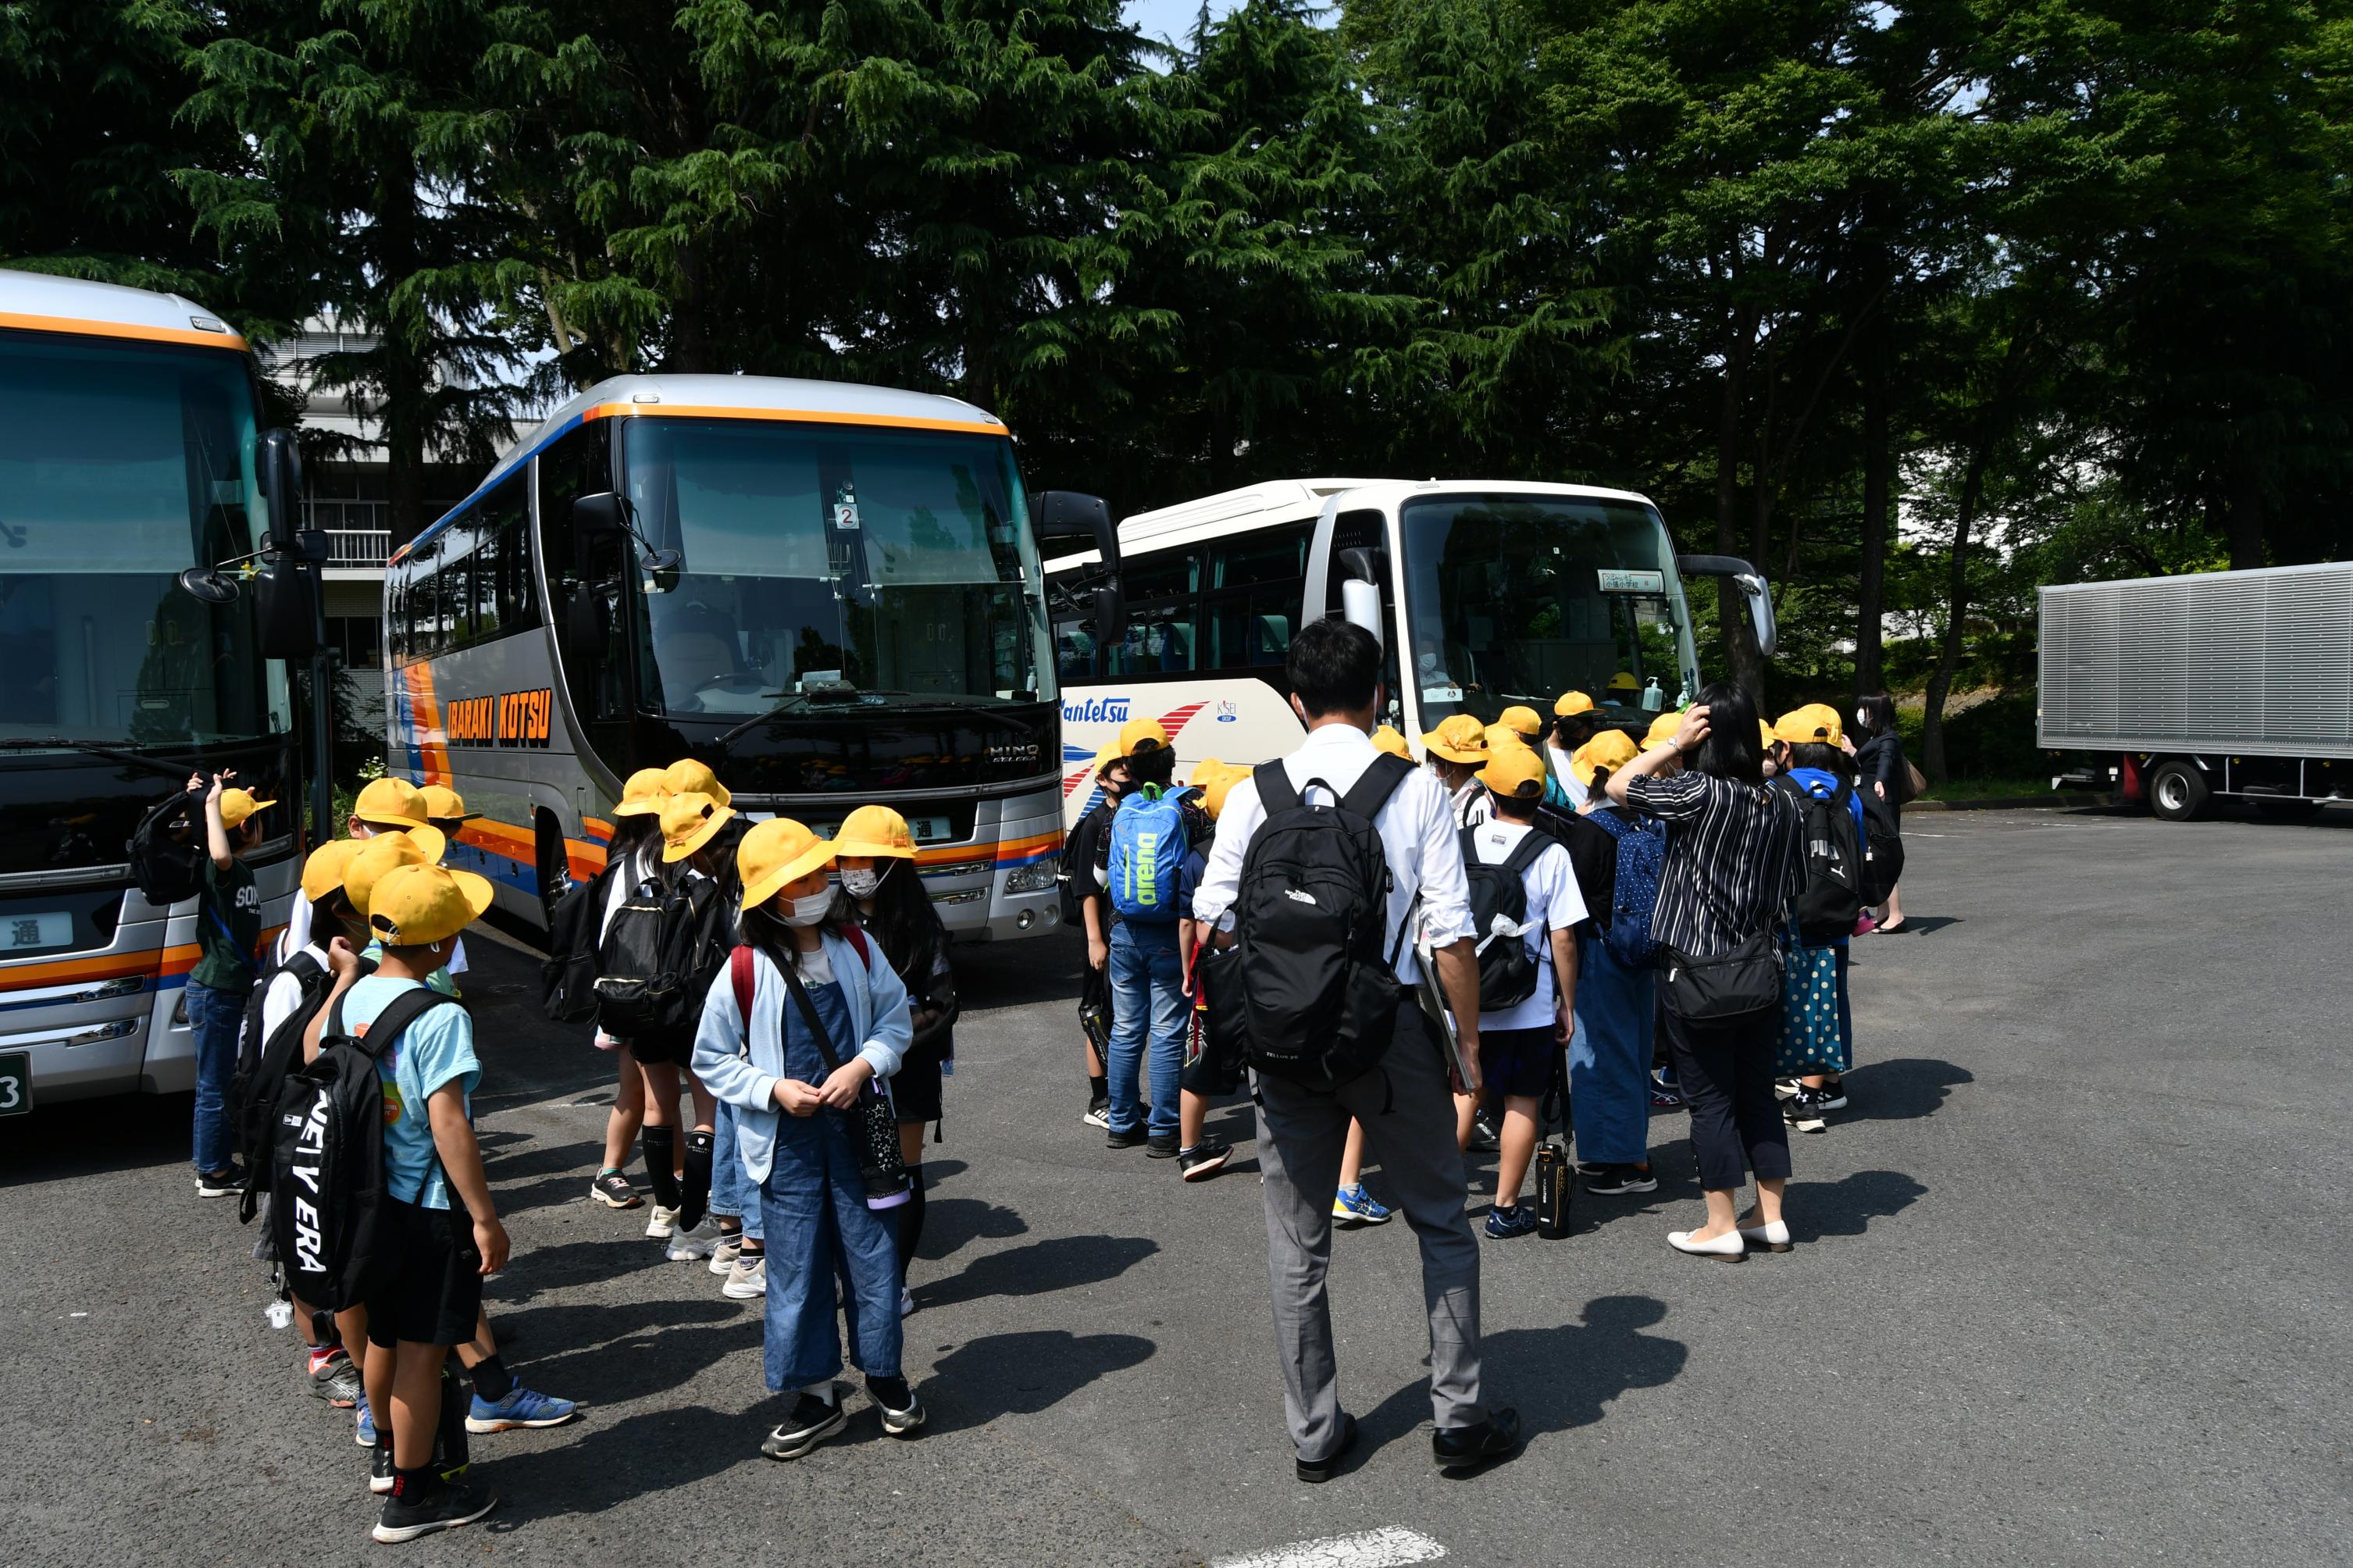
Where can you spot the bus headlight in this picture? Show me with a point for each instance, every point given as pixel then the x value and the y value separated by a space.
pixel 1036 878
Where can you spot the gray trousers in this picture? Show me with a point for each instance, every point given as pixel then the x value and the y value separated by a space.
pixel 1408 1110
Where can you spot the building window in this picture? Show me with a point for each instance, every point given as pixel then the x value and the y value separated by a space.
pixel 356 641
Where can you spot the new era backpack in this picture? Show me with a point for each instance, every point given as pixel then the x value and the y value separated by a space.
pixel 1829 898
pixel 659 955
pixel 1634 896
pixel 1499 920
pixel 328 1179
pixel 1882 848
pixel 167 849
pixel 1148 845
pixel 1308 992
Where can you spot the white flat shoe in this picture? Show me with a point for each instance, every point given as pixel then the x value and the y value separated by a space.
pixel 1774 1237
pixel 1730 1246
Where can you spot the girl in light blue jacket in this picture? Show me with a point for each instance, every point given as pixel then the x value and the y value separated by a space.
pixel 798 1136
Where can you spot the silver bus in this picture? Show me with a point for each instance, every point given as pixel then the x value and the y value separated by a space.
pixel 131 468
pixel 829 593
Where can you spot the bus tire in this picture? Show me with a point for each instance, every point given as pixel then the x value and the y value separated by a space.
pixel 555 865
pixel 2177 791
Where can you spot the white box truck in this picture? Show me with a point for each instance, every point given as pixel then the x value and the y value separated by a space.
pixel 2178 691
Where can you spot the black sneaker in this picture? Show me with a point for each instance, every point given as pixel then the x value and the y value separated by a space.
pixel 612 1189
pixel 1486 1137
pixel 437 1505
pixel 1461 1447
pixel 1609 1181
pixel 337 1381
pixel 1831 1096
pixel 1098 1112
pixel 1133 1138
pixel 1787 1088
pixel 1317 1471
pixel 811 1422
pixel 903 1413
pixel 1161 1146
pixel 1203 1159
pixel 380 1471
pixel 1804 1112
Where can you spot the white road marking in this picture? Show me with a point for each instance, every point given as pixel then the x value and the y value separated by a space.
pixel 1370 1549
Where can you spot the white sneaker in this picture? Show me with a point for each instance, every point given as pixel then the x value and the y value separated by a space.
pixel 663 1222
pixel 722 1256
pixel 688 1245
pixel 748 1280
pixel 906 1303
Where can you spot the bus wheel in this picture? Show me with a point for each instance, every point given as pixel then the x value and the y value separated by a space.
pixel 2177 791
pixel 554 867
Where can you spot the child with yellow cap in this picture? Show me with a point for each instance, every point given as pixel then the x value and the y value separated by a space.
pixel 1817 1014
pixel 828 1016
pixel 1457 750
pixel 1610 1091
pixel 1083 877
pixel 632 858
pixel 228 933
pixel 1575 721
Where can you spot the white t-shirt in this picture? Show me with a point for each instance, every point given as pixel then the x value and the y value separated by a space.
pixel 1554 902
pixel 285 993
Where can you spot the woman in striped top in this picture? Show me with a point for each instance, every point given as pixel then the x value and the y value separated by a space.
pixel 1732 867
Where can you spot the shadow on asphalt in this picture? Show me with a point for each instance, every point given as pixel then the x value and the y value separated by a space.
pixel 1920 925
pixel 1058 1264
pixel 1848 1205
pixel 1903 1089
pixel 950 1223
pixel 92 1137
pixel 611 1467
pixel 1021 1374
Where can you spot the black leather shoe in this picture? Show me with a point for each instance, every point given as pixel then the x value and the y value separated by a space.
pixel 1463 1447
pixel 1324 1468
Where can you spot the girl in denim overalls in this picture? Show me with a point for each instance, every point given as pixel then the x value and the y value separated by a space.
pixel 798 1147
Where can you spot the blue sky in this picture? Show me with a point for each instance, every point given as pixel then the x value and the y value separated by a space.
pixel 1171 19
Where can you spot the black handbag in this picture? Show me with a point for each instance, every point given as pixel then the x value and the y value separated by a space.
pixel 1737 984
pixel 873 1124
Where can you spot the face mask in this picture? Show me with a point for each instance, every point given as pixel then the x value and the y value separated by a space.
pixel 861 884
pixel 811 910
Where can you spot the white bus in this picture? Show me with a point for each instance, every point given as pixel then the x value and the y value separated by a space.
pixel 1485 593
pixel 133 472
pixel 830 592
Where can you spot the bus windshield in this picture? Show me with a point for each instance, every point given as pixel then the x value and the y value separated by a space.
pixel 126 464
pixel 815 557
pixel 1516 599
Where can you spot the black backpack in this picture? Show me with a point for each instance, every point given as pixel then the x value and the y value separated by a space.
pixel 328 1193
pixel 567 977
pixel 1507 976
pixel 252 1096
pixel 1882 848
pixel 167 849
pixel 1307 994
pixel 658 958
pixel 1829 898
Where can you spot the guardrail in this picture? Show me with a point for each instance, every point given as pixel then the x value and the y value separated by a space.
pixel 358 546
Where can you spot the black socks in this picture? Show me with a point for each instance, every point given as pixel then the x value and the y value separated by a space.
pixel 661 1163
pixel 697 1195
pixel 492 1381
pixel 911 1221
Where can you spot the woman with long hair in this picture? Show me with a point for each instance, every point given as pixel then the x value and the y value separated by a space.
pixel 875 853
pixel 1732 867
pixel 1880 767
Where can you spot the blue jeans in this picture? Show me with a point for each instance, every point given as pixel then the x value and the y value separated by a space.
pixel 1610 1058
pixel 1148 982
pixel 214 1018
pixel 732 1191
pixel 818 1226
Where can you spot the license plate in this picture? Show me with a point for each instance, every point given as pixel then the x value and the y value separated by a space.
pixel 19 933
pixel 15 1083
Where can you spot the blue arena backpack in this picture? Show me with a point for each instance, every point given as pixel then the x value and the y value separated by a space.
pixel 1642 850
pixel 1147 856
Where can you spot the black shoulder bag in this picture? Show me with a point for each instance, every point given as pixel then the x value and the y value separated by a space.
pixel 873 1124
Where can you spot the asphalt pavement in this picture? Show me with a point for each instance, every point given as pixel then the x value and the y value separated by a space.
pixel 2070 1286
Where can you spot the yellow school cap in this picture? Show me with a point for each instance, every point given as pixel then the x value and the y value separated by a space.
pixel 1109 754
pixel 322 873
pixel 443 803
pixel 1612 749
pixel 1572 703
pixel 687 777
pixel 687 822
pixel 237 805
pixel 381 856
pixel 777 852
pixel 875 830
pixel 1138 736
pixel 1522 721
pixel 645 792
pixel 413 906
pixel 1765 736
pixel 1213 794
pixel 1515 772
pixel 1662 729
pixel 1387 739
pixel 1461 739
pixel 390 803
pixel 1816 721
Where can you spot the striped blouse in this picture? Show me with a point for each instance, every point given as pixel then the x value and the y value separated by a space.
pixel 1733 863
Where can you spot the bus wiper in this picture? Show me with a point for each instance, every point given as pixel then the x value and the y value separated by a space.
pixel 129 759
pixel 843 695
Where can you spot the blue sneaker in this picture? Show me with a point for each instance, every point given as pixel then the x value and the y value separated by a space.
pixel 520 1408
pixel 1356 1206
pixel 1503 1224
pixel 363 1432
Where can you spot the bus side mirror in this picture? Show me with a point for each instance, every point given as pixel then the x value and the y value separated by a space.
pixel 1753 588
pixel 278 469
pixel 1110 618
pixel 1075 521
pixel 1360 588
pixel 596 516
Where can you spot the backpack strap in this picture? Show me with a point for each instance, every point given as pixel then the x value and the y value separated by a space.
pixel 1375 785
pixel 855 935
pixel 1524 854
pixel 394 1021
pixel 1470 841
pixel 739 974
pixel 1275 791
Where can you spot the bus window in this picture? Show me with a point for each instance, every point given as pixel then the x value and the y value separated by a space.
pixel 597 679
pixel 1257 584
pixel 503 597
pixel 1163 605
pixel 1070 605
